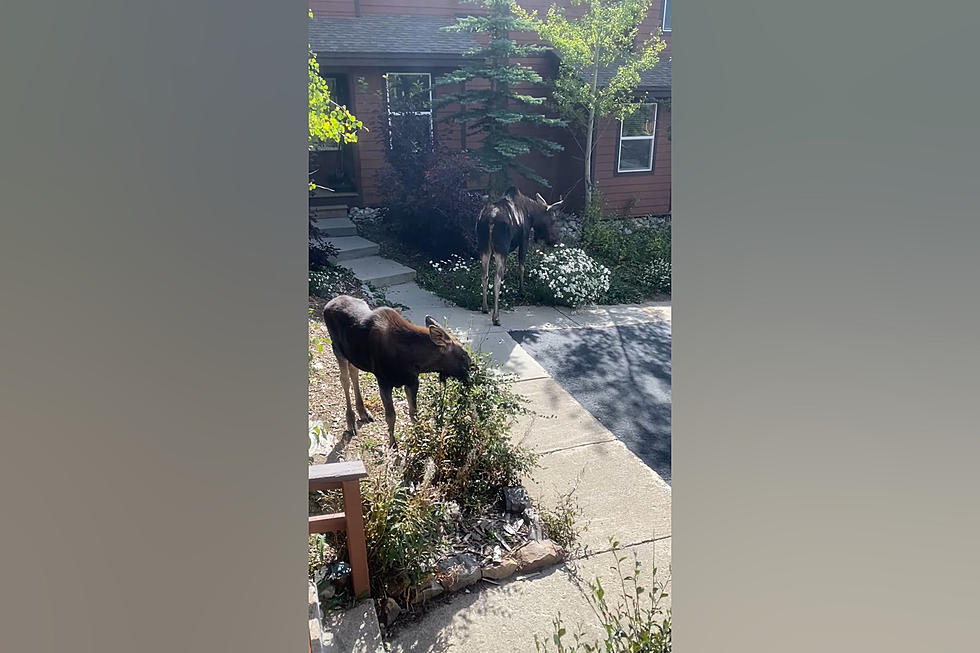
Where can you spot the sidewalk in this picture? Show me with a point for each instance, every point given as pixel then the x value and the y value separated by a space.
pixel 619 496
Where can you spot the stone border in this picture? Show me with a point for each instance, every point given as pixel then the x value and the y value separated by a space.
pixel 462 570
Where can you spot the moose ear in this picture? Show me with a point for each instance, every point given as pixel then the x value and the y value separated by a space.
pixel 540 199
pixel 439 336
pixel 430 321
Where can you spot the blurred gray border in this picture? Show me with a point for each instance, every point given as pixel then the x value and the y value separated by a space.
pixel 153 327
pixel 826 286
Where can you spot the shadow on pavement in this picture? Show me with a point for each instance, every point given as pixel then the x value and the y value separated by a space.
pixel 620 374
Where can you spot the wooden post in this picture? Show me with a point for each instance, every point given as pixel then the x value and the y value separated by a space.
pixel 356 544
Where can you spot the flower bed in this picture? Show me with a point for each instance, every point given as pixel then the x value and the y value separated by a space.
pixel 559 276
pixel 447 509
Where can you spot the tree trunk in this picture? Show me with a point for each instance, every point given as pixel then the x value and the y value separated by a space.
pixel 589 128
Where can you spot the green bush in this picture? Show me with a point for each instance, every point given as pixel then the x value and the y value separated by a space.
pixel 561 522
pixel 458 451
pixel 559 276
pixel 637 252
pixel 458 280
pixel 635 625
pixel 332 280
pixel 462 437
pixel 402 526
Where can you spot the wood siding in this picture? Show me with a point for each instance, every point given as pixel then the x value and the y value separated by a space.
pixel 634 193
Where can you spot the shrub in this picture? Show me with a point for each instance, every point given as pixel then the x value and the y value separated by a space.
pixel 562 276
pixel 331 281
pixel 458 280
pixel 402 526
pixel 637 252
pixel 462 436
pixel 634 625
pixel 561 522
pixel 425 189
pixel 320 248
pixel 567 276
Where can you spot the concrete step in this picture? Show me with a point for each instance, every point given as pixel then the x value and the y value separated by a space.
pixel 379 271
pixel 352 247
pixel 330 211
pixel 336 227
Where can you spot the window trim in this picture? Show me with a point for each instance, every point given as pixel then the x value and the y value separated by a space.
pixel 391 113
pixel 663 18
pixel 652 138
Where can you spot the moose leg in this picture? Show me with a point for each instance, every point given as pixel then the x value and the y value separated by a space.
pixel 362 413
pixel 412 393
pixel 497 278
pixel 521 256
pixel 485 266
pixel 345 381
pixel 389 413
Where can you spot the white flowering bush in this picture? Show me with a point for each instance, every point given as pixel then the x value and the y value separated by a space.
pixel 458 279
pixel 563 276
pixel 567 276
pixel 657 275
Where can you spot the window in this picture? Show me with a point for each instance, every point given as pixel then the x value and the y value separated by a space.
pixel 636 135
pixel 329 146
pixel 410 107
pixel 666 22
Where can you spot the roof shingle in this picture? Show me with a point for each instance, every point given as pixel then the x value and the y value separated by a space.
pixel 388 35
pixel 657 77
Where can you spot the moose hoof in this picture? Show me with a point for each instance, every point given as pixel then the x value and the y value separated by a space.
pixel 484 310
pixel 365 419
pixel 496 321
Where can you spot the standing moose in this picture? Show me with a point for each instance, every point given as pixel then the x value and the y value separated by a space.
pixel 506 225
pixel 396 351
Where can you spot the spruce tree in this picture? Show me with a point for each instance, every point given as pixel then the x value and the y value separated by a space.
pixel 494 111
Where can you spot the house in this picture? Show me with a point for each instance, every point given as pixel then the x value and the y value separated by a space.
pixel 369 49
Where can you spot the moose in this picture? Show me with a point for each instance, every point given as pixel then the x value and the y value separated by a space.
pixel 396 351
pixel 505 225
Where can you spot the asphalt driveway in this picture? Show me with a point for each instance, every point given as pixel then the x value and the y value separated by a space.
pixel 620 374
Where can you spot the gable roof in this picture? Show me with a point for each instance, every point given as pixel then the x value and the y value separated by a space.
pixel 382 34
pixel 656 78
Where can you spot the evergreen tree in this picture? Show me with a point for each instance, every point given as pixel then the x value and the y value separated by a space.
pixel 493 111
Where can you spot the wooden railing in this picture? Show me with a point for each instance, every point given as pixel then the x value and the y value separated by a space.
pixel 345 476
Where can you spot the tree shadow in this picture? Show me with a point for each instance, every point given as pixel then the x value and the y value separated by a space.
pixel 620 374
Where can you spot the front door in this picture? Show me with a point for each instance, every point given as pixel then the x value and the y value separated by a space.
pixel 332 164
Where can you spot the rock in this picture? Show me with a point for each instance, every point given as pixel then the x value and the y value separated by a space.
pixel 458 571
pixel 328 591
pixel 504 569
pixel 516 499
pixel 390 610
pixel 535 529
pixel 536 555
pixel 427 592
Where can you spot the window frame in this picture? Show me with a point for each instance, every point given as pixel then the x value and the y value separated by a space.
pixel 652 138
pixel 391 113
pixel 663 17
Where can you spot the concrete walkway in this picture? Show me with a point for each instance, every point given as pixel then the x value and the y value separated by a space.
pixel 620 497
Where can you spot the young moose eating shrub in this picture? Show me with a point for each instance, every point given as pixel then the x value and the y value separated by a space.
pixel 396 351
pixel 506 225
